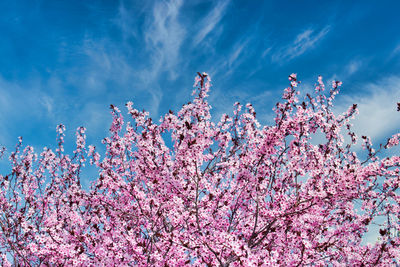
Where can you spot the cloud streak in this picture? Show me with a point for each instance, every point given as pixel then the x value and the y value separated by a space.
pixel 164 36
pixel 21 108
pixel 227 64
pixel 353 67
pixel 211 20
pixel 378 117
pixel 303 42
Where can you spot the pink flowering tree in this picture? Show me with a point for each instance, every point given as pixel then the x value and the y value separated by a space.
pixel 230 193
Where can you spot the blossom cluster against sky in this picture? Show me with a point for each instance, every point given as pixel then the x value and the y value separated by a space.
pixel 67 61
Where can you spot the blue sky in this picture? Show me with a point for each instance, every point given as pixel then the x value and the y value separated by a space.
pixel 67 61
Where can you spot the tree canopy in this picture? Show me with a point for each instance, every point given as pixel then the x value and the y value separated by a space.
pixel 226 193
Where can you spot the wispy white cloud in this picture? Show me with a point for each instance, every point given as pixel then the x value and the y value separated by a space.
pixel 105 62
pixel 237 51
pixel 210 21
pixel 48 103
pixel 378 117
pixel 124 20
pixel 21 102
pixel 108 64
pixel 303 42
pixel 226 65
pixel 353 67
pixel 164 35
pixel 266 52
pixel 347 70
pixel 395 52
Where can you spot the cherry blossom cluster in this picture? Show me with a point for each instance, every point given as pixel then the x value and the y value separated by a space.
pixel 218 193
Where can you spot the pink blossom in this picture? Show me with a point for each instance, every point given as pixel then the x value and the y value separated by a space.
pixel 219 193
